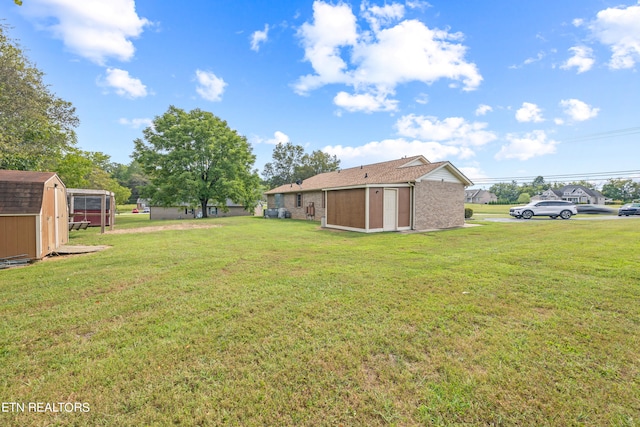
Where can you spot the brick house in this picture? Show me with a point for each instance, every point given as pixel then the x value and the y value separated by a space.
pixel 482 197
pixel 574 193
pixel 405 194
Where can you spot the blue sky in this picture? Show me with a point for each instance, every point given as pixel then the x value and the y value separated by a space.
pixel 502 89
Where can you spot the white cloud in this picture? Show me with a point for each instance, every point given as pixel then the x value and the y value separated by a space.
pixel 210 86
pixel 483 109
pixel 417 4
pixel 93 29
pixel 578 111
pixel 452 130
pixel 375 62
pixel 618 28
pixel 529 113
pixel 259 37
pixel 537 58
pixel 473 172
pixel 379 151
pixel 436 139
pixel 422 98
pixel 577 22
pixel 582 59
pixel 379 16
pixel 123 83
pixel 365 102
pixel 278 137
pixel 136 123
pixel 530 145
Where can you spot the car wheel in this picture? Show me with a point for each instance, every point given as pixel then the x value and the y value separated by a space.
pixel 527 214
pixel 565 214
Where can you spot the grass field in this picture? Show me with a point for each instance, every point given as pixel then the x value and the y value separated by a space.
pixel 276 322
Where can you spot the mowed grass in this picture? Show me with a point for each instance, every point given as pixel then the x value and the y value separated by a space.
pixel 277 322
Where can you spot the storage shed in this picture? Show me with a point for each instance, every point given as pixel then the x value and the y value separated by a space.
pixel 33 214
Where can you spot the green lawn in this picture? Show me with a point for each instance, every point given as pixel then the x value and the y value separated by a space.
pixel 277 322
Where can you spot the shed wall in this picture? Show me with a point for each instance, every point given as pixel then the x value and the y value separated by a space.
pixel 19 236
pixel 404 207
pixel 54 192
pixel 376 206
pixel 346 208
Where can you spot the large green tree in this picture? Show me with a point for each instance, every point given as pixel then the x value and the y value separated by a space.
pixel 131 176
pixel 84 169
pixel 286 157
pixel 506 191
pixel 36 127
pixel 290 163
pixel 194 157
pixel 621 189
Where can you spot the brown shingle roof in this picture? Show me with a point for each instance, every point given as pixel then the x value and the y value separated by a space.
pixel 392 172
pixel 21 192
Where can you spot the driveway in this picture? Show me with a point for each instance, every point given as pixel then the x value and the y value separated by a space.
pixel 579 217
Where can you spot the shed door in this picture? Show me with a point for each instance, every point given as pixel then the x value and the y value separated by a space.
pixel 390 221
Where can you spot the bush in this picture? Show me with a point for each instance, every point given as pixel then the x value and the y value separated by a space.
pixel 468 213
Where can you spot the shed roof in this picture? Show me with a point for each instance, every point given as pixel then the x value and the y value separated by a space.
pixel 408 169
pixel 21 192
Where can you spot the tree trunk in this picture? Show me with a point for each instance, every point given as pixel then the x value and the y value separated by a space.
pixel 205 214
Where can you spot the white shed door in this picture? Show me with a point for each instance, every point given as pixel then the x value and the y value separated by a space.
pixel 390 218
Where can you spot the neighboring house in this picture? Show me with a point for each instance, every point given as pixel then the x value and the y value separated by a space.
pixel 574 193
pixel 479 196
pixel 33 214
pixel 141 204
pixel 185 212
pixel 405 194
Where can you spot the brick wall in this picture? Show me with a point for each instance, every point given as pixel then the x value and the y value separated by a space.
pixel 300 212
pixel 439 205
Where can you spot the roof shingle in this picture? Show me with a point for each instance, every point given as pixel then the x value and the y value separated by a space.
pixel 21 192
pixel 402 170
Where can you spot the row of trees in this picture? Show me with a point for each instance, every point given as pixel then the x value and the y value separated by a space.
pixel 618 189
pixel 290 164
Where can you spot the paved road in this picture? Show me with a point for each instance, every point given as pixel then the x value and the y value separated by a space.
pixel 580 217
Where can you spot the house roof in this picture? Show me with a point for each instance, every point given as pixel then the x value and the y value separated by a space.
pixel 408 169
pixel 21 192
pixel 572 188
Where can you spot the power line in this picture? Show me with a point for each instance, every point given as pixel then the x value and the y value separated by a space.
pixel 601 135
pixel 629 174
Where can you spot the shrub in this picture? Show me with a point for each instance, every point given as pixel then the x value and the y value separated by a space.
pixel 468 213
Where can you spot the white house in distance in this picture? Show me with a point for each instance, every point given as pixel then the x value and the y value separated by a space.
pixel 573 193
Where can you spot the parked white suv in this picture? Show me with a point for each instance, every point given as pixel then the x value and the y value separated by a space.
pixel 550 208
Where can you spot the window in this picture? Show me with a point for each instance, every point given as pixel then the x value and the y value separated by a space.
pixel 279 199
pixel 299 200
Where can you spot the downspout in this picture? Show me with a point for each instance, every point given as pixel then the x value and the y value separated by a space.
pixel 366 209
pixel 412 186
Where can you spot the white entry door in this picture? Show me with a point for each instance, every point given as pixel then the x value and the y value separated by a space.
pixel 390 215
